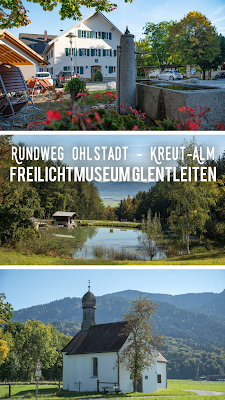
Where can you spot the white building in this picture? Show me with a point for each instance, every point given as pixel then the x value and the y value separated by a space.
pixel 89 359
pixel 94 47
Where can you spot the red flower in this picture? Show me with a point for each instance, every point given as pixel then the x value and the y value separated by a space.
pixel 98 117
pixel 51 114
pixel 89 120
pixel 74 119
pixel 135 128
pixel 69 112
pixel 115 95
pixel 220 126
pixel 182 109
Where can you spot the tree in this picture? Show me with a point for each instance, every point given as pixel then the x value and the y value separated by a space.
pixel 195 40
pixel 152 235
pixel 157 36
pixel 190 201
pixel 5 316
pixel 140 349
pixel 13 13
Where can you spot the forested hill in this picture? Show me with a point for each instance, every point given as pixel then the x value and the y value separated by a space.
pixel 170 320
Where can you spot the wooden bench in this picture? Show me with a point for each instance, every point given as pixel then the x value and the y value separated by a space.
pixel 111 389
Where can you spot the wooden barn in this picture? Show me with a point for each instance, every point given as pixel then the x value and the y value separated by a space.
pixel 64 218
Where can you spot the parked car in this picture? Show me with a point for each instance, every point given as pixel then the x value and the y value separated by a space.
pixel 45 75
pixel 170 75
pixel 220 75
pixel 63 77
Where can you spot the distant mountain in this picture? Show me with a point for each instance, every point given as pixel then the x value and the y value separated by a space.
pixel 170 319
pixel 120 190
pixel 214 306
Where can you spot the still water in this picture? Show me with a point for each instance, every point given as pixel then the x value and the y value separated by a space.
pixel 83 240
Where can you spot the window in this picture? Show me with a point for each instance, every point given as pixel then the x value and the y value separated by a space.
pixel 95 366
pixel 84 52
pixel 94 52
pixel 159 378
pixel 106 35
pixel 51 54
pixel 78 70
pixel 112 70
pixel 83 34
pixel 107 53
pixel 94 35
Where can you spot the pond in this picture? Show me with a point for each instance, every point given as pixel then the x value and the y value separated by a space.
pixel 86 242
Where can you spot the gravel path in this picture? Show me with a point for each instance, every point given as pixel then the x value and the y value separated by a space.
pixel 204 392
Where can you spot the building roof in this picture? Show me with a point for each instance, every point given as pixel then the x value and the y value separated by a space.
pixel 160 358
pixel 64 214
pixel 101 338
pixel 77 25
pixel 7 55
pixel 35 41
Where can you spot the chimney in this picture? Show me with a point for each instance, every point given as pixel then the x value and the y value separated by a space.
pixel 45 36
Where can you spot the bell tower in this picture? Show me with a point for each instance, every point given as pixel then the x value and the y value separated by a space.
pixel 88 305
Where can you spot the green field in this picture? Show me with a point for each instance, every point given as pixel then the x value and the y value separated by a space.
pixel 174 390
pixel 12 257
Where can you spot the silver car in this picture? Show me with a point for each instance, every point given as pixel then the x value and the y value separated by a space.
pixel 169 75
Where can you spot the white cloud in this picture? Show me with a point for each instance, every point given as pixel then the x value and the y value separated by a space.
pixel 217 20
pixel 218 10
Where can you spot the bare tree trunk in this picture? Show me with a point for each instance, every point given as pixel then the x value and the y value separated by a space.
pixel 188 244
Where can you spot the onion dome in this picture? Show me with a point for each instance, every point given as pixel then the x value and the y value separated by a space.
pixel 88 300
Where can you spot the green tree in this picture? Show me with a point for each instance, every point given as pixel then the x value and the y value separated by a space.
pixel 142 344
pixel 194 39
pixel 191 202
pixel 13 13
pixel 157 36
pixel 19 204
pixel 5 316
pixel 152 235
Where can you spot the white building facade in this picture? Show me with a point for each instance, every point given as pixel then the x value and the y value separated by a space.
pixel 90 359
pixel 94 47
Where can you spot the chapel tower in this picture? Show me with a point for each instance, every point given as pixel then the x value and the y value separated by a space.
pixel 88 305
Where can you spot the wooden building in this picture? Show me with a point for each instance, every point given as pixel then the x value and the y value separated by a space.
pixel 64 218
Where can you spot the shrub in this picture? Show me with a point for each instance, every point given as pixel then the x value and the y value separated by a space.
pixel 199 249
pixel 75 84
pixel 98 76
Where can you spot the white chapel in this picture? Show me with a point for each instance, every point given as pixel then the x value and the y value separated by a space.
pixel 89 359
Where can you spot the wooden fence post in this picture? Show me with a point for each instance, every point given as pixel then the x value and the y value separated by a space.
pixel 9 390
pixel 59 387
pixel 97 385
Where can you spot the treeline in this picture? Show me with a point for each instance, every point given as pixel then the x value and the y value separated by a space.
pixel 28 343
pixel 19 201
pixel 187 360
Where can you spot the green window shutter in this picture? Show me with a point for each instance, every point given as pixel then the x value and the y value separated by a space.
pixel 114 53
pixel 110 36
pixel 79 33
pixel 99 52
pixel 81 70
pixel 67 52
pixel 64 68
pixel 88 34
pixel 91 34
pixel 99 35
pixel 80 52
pixel 110 53
pixel 103 53
pixel 92 52
pixel 110 70
pixel 88 52
pixel 103 35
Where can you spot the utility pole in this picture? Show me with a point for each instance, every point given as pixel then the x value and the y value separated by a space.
pixel 71 36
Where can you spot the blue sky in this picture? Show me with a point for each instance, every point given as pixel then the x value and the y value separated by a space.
pixel 24 288
pixel 135 15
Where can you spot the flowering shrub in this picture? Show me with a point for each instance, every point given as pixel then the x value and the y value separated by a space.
pixel 190 120
pixel 75 84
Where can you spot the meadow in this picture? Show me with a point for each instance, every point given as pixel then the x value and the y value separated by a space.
pixel 175 389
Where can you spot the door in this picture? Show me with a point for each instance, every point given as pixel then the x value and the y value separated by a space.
pixel 139 384
pixel 94 69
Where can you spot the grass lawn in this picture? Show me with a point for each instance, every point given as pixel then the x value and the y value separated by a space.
pixel 174 390
pixel 12 257
pixel 196 385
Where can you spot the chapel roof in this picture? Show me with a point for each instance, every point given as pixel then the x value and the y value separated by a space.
pixel 99 338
